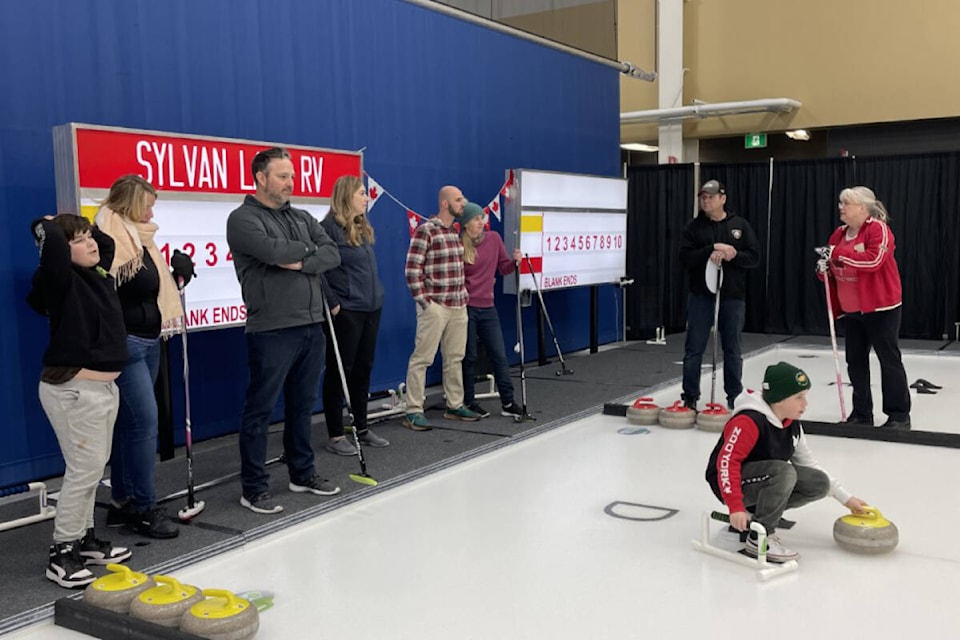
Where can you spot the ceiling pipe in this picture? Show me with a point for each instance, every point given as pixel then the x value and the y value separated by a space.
pixel 711 110
pixel 626 68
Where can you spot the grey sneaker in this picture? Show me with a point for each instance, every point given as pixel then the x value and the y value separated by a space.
pixel 370 439
pixel 341 447
pixel 461 413
pixel 263 503
pixel 416 422
pixel 776 551
pixel 315 485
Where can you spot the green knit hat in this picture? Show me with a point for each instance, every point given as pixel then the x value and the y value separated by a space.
pixel 470 211
pixel 782 380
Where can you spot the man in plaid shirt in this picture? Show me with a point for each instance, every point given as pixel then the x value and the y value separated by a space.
pixel 434 271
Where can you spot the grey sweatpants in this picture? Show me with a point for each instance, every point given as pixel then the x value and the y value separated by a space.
pixel 82 413
pixel 773 486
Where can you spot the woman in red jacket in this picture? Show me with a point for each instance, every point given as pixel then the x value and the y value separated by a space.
pixel 865 286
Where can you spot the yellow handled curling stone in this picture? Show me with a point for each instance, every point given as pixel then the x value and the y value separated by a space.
pixel 166 603
pixel 222 616
pixel 868 533
pixel 116 590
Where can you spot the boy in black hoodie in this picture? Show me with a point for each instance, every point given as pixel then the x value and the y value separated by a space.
pixel 77 391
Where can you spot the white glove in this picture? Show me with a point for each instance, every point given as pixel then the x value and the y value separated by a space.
pixel 823 265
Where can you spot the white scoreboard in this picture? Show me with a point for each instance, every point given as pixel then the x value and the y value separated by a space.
pixel 572 228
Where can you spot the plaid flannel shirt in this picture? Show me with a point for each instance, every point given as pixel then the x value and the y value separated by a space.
pixel 434 265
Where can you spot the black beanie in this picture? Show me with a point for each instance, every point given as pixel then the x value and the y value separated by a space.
pixel 782 380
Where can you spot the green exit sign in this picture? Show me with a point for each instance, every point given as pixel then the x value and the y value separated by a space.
pixel 755 141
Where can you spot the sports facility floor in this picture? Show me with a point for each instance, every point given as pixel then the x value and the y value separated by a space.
pixel 585 529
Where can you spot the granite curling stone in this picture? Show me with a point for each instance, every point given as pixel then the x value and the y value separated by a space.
pixel 677 416
pixel 116 590
pixel 221 616
pixel 166 603
pixel 713 418
pixel 643 411
pixel 868 533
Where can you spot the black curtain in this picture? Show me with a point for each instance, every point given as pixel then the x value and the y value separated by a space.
pixel 792 216
pixel 660 201
pixel 748 187
pixel 921 195
pixel 803 214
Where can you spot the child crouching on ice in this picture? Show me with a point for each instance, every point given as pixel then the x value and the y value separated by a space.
pixel 762 464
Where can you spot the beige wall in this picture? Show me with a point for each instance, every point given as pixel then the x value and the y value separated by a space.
pixel 847 61
pixel 587 26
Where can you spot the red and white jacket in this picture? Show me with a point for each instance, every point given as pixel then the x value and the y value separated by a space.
pixel 871 255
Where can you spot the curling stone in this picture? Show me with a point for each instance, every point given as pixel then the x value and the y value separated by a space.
pixel 166 603
pixel 116 590
pixel 677 416
pixel 643 411
pixel 222 616
pixel 713 418
pixel 869 533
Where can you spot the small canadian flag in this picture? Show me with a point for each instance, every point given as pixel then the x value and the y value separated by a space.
pixel 413 221
pixel 494 208
pixel 374 191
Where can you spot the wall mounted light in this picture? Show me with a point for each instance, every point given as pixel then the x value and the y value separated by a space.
pixel 799 134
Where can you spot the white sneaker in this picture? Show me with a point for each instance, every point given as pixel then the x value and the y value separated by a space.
pixel 776 551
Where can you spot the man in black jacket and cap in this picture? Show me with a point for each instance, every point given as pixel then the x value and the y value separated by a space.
pixel 727 240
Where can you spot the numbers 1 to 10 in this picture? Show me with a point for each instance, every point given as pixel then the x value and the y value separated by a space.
pixel 209 253
pixel 583 242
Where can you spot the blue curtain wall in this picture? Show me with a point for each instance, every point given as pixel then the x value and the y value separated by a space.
pixel 434 100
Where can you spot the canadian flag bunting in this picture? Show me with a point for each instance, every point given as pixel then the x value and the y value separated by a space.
pixel 374 191
pixel 413 221
pixel 494 208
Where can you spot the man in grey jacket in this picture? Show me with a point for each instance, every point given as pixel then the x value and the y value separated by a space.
pixel 280 254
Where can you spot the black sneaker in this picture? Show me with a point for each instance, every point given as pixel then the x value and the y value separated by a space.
pixel 900 425
pixel 96 551
pixel 262 503
pixel 511 410
pixel 476 408
pixel 122 515
pixel 66 567
pixel 689 403
pixel 315 485
pixel 155 523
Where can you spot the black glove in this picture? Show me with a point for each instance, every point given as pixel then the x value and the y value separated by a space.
pixel 182 268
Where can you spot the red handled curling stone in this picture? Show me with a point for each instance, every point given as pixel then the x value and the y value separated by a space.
pixel 643 411
pixel 222 616
pixel 713 418
pixel 868 533
pixel 677 416
pixel 116 590
pixel 166 603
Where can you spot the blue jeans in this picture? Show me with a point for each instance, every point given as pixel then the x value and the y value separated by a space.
pixel 483 325
pixel 288 360
pixel 135 433
pixel 699 322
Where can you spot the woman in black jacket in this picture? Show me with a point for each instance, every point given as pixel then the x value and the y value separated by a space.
pixel 356 299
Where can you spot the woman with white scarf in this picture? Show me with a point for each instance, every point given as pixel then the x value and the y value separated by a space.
pixel 151 309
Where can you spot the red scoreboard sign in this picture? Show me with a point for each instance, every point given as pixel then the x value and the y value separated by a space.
pixel 199 180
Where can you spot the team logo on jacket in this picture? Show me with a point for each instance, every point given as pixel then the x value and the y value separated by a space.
pixel 736 233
